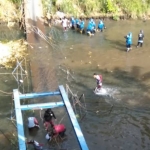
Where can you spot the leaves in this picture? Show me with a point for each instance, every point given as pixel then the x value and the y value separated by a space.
pixel 15 50
pixel 87 7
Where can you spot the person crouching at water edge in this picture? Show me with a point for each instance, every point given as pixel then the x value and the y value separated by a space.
pixel 82 26
pixel 65 23
pixel 37 146
pixel 128 41
pixel 77 23
pixel 57 131
pixel 140 39
pixel 101 26
pixel 98 81
pixel 73 22
pixel 32 122
pixel 94 25
pixel 90 30
pixel 48 116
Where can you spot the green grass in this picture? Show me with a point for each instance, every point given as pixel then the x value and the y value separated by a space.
pixel 133 8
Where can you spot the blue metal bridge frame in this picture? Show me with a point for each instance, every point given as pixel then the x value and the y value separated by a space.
pixel 64 102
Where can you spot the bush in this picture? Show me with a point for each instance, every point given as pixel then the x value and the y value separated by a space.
pixel 116 17
pixel 16 1
pixel 109 7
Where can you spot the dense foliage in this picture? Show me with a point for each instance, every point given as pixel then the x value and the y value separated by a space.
pixel 10 11
pixel 133 8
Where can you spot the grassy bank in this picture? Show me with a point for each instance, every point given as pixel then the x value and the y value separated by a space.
pixel 96 8
pixel 10 10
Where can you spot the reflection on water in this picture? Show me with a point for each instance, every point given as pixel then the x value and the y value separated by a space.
pixel 121 119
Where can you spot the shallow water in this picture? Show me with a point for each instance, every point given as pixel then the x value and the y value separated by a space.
pixel 121 119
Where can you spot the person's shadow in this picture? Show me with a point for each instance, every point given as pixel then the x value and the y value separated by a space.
pixel 33 131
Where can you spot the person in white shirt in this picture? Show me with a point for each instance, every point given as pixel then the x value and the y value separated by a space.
pixel 32 122
pixel 65 23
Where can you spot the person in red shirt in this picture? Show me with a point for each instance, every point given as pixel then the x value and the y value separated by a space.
pixel 98 81
pixel 59 129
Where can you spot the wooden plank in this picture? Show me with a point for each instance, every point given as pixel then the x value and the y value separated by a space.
pixel 73 119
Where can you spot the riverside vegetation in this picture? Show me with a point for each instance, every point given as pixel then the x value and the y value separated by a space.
pixel 13 46
pixel 96 8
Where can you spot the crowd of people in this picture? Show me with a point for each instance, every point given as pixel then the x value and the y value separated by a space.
pixel 92 28
pixel 79 24
pixel 52 130
pixel 128 38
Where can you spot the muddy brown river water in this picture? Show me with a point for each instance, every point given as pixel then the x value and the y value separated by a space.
pixel 120 120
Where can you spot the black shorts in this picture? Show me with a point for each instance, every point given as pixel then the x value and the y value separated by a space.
pixel 128 45
pixel 78 26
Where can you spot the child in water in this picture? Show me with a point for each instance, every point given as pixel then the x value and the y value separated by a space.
pixel 128 41
pixel 140 39
pixel 98 81
pixel 101 26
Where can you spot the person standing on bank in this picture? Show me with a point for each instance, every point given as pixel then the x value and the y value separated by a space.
pixel 140 39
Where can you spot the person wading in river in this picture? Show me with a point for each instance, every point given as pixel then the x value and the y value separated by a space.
pixel 98 81
pixel 140 39
pixel 128 38
pixel 65 23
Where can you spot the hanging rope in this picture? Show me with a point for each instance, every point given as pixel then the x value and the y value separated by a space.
pixel 8 93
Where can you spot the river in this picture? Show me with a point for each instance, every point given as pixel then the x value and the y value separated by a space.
pixel 119 120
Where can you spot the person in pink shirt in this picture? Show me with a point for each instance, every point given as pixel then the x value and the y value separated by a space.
pixel 98 81
pixel 59 129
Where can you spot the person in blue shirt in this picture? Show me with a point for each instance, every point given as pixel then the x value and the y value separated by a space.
pixel 90 28
pixel 128 41
pixel 82 26
pixel 101 26
pixel 77 23
pixel 73 22
pixel 93 24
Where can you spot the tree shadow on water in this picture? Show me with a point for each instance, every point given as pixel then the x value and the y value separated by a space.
pixel 117 44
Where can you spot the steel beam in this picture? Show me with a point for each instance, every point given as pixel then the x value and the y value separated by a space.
pixel 42 105
pixel 36 95
pixel 73 119
pixel 19 120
